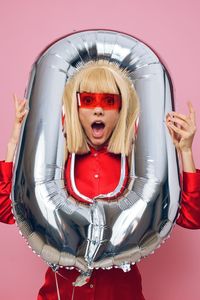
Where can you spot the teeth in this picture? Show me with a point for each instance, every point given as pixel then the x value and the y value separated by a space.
pixel 99 122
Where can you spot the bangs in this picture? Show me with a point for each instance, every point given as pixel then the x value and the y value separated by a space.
pixel 98 81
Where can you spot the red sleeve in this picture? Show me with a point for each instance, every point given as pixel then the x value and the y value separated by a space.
pixel 190 204
pixel 6 215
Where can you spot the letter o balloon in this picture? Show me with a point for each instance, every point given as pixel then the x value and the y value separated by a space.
pixel 97 234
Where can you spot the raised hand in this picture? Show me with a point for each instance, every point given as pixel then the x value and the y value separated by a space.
pixel 182 129
pixel 20 113
pixel 20 109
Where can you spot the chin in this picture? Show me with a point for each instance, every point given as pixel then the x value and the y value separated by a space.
pixel 98 142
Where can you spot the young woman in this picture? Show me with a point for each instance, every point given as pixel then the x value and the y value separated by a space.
pixel 101 107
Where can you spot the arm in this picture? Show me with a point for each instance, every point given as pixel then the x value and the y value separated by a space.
pixel 190 204
pixel 182 130
pixel 6 215
pixel 6 166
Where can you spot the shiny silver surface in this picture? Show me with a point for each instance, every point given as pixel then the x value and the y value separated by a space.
pixel 100 234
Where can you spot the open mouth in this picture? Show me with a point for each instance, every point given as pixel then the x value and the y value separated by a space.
pixel 98 128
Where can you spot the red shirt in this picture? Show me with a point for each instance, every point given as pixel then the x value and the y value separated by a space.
pixel 94 175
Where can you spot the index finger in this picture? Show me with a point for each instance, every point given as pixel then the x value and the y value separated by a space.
pixel 16 101
pixel 192 111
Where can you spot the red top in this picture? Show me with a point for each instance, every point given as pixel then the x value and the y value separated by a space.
pixel 94 175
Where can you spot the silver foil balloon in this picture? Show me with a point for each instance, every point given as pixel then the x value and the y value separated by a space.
pixel 101 233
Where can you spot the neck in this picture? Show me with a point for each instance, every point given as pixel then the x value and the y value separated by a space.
pixel 97 147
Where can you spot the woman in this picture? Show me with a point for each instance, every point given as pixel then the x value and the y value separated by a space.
pixel 101 108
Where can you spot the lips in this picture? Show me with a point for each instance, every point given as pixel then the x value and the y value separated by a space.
pixel 98 129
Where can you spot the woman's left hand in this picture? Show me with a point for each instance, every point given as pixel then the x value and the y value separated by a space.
pixel 182 128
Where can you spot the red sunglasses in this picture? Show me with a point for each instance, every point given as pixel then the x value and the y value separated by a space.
pixel 104 100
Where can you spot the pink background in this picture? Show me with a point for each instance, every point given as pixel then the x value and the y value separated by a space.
pixel 172 29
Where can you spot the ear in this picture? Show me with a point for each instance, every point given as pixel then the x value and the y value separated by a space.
pixel 63 119
pixel 136 126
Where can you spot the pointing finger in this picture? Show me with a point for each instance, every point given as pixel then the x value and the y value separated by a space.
pixel 192 111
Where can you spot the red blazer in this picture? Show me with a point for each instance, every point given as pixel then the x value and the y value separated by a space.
pixel 100 178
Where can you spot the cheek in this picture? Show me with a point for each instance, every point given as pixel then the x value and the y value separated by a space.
pixel 113 118
pixel 80 118
pixel 83 117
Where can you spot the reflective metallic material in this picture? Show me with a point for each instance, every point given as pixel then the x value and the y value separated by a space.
pixel 101 233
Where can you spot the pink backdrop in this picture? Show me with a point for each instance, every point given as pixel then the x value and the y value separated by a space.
pixel 172 29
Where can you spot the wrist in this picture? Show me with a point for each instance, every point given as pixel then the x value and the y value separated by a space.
pixel 12 143
pixel 17 124
pixel 186 151
pixel 188 164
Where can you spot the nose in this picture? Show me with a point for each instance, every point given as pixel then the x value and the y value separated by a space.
pixel 98 111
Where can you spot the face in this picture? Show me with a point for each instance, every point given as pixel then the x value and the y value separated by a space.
pixel 98 114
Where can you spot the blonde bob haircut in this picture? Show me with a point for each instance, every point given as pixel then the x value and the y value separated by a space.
pixel 101 76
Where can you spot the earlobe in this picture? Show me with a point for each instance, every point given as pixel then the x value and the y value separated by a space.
pixel 136 126
pixel 63 121
pixel 63 126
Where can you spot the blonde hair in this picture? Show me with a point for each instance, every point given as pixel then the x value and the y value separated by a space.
pixel 101 76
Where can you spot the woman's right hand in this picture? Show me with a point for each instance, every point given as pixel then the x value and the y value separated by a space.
pixel 20 109
pixel 20 113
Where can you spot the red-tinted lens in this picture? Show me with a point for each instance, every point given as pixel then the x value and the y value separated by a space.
pixel 104 100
